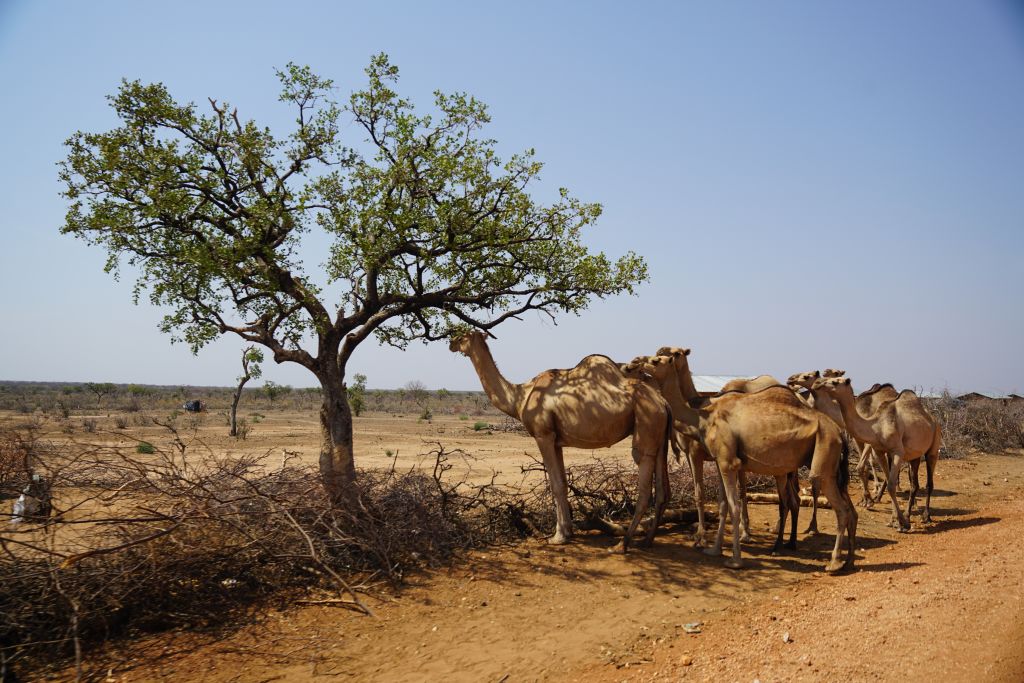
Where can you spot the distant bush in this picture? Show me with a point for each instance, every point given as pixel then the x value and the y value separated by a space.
pixel 480 425
pixel 145 447
pixel 983 425
pixel 121 422
pixel 89 425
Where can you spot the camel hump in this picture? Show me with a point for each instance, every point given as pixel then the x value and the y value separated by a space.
pixel 876 387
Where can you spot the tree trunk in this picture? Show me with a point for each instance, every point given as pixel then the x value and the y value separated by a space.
pixel 337 465
pixel 234 407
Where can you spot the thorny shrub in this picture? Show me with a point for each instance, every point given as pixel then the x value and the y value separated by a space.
pixel 981 425
pixel 163 541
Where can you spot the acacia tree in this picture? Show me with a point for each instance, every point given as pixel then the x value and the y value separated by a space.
pixel 430 231
pixel 251 359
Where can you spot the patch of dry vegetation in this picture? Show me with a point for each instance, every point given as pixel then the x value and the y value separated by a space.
pixel 183 538
pixel 990 425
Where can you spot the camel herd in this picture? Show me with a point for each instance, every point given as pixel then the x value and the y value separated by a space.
pixel 758 426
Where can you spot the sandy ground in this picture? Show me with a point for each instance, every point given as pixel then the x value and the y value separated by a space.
pixel 943 602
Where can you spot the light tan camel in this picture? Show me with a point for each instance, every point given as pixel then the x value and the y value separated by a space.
pixel 593 405
pixel 868 457
pixel 696 456
pixel 750 386
pixel 769 432
pixel 901 427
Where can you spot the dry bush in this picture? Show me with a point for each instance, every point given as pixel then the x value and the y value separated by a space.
pixel 167 541
pixel 983 425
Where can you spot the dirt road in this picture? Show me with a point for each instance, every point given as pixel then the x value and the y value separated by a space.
pixel 943 602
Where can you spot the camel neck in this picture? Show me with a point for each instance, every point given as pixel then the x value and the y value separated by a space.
pixel 856 424
pixel 685 384
pixel 827 405
pixel 504 395
pixel 677 401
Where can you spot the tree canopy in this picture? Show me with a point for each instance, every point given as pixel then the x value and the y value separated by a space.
pixel 430 230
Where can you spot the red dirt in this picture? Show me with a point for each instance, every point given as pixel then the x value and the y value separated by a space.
pixel 943 602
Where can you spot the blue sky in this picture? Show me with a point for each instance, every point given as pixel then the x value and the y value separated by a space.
pixel 813 184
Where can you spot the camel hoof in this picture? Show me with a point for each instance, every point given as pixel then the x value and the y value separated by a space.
pixel 868 504
pixel 811 531
pixel 833 566
pixel 734 564
pixel 926 519
pixel 745 538
pixel 559 539
pixel 904 529
pixel 712 552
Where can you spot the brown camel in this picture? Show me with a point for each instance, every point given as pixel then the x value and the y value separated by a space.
pixel 593 405
pixel 901 427
pixel 768 432
pixel 832 372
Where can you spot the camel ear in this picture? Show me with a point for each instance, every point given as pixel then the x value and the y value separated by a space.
pixel 817 374
pixel 686 352
pixel 846 381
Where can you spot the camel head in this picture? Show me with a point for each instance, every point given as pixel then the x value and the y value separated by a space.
pixel 832 372
pixel 462 343
pixel 833 386
pixel 803 379
pixel 677 356
pixel 648 368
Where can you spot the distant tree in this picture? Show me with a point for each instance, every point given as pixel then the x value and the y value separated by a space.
pixel 417 392
pixel 443 393
pixel 273 390
pixel 138 390
pixel 251 359
pixel 357 394
pixel 101 389
pixel 431 232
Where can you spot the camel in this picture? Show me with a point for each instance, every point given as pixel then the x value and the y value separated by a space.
pixel 593 405
pixel 900 427
pixel 769 432
pixel 696 456
pixel 749 386
pixel 868 456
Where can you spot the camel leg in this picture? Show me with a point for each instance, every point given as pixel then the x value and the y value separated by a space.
pixel 830 488
pixel 812 528
pixel 552 455
pixel 723 514
pixel 884 462
pixel 930 460
pixel 696 461
pixel 865 462
pixel 894 470
pixel 744 518
pixel 915 465
pixel 647 466
pixel 782 486
pixel 731 479
pixel 662 493
pixel 793 481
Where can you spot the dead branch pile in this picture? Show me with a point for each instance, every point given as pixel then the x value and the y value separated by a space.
pixel 991 426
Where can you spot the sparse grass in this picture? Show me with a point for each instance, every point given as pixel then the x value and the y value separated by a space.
pixel 121 422
pixel 89 425
pixel 145 448
pixel 480 425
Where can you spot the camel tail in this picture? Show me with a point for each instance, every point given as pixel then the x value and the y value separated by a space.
pixel 933 450
pixel 843 476
pixel 674 441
